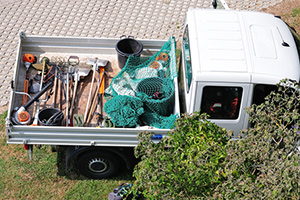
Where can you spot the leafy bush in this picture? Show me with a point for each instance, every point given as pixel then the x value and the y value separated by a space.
pixel 186 164
pixel 196 160
pixel 265 163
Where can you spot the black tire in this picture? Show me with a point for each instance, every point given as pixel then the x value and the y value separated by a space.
pixel 97 164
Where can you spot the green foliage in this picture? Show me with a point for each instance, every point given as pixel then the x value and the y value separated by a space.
pixel 197 161
pixel 295 12
pixel 186 164
pixel 265 164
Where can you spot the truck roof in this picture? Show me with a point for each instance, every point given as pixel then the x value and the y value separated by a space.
pixel 241 46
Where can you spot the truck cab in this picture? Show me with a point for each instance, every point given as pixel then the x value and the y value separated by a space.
pixel 231 60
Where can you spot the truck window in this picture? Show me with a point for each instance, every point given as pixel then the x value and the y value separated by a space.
pixel 187 58
pixel 261 91
pixel 259 94
pixel 221 102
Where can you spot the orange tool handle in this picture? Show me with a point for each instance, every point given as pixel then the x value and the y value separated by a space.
pixel 26 82
pixel 102 84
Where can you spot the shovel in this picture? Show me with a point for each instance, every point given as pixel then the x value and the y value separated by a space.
pixel 96 63
pixel 44 61
pixel 79 72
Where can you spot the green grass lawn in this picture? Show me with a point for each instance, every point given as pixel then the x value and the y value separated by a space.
pixel 44 177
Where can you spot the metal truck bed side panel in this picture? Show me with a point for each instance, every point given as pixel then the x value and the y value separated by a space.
pixel 81 136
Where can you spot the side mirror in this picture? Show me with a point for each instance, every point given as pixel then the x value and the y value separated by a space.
pixel 214 3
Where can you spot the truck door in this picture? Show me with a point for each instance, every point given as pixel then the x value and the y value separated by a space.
pixel 225 104
pixel 186 83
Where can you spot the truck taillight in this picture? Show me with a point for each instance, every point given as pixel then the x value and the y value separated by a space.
pixel 26 147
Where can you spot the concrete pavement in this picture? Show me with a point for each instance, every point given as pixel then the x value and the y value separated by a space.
pixel 91 18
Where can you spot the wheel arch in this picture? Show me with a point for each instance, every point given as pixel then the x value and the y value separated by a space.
pixel 126 154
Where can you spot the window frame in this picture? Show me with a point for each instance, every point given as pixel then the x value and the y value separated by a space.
pixel 226 116
pixel 188 72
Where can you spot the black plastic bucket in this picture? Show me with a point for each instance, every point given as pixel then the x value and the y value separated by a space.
pixel 126 47
pixel 50 117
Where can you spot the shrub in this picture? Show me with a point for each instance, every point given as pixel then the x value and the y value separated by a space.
pixel 265 163
pixel 184 165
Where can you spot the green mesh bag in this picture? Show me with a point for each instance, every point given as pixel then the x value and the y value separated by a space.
pixel 157 94
pixel 127 112
pixel 149 79
pixel 158 121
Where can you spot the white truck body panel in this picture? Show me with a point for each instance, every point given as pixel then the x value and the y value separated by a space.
pixel 241 44
pixel 230 48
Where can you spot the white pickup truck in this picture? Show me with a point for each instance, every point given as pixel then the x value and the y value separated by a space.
pixel 229 60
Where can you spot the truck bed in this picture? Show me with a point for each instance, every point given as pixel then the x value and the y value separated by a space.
pixel 61 48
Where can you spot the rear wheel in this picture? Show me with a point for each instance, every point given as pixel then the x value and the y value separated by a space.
pixel 97 164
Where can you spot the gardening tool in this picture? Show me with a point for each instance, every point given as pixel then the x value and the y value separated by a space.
pixel 69 71
pixel 79 73
pixel 95 62
pixel 63 85
pixel 93 105
pixel 28 60
pixel 55 87
pixel 67 99
pixel 45 61
pixel 72 61
pixel 99 95
pixel 20 115
pixel 59 84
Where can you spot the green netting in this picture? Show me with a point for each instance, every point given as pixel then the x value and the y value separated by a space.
pixel 157 95
pixel 127 112
pixel 158 121
pixel 150 80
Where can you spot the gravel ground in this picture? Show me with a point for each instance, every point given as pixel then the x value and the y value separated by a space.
pixel 287 9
